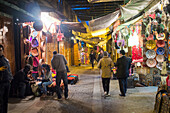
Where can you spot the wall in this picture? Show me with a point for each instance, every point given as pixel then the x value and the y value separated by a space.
pixel 8 40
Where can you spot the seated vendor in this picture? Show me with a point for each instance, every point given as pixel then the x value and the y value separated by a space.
pixel 47 78
pixel 22 82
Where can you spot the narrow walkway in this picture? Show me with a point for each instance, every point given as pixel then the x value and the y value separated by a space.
pixel 86 97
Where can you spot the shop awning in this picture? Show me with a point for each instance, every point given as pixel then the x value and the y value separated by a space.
pixel 128 23
pixel 76 26
pixel 103 22
pixel 135 7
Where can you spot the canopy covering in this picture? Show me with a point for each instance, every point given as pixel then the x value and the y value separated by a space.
pixel 130 13
pixel 135 7
pixel 76 26
pixel 103 22
pixel 96 1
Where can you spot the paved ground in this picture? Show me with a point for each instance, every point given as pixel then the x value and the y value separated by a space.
pixel 86 97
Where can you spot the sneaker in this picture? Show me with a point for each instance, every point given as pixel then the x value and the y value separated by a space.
pixel 66 98
pixel 105 93
pixel 108 94
pixel 43 95
pixel 56 98
pixel 122 95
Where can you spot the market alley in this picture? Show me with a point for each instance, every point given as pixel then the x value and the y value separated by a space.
pixel 86 97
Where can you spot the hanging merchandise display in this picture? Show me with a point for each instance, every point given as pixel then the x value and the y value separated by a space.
pixel 136 53
pixel 121 43
pixel 150 37
pixel 164 70
pixel 60 35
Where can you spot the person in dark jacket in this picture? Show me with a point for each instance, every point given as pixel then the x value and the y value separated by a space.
pixel 123 65
pixel 100 55
pixel 5 79
pixel 92 58
pixel 22 80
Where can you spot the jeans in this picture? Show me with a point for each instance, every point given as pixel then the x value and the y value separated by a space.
pixel 4 92
pixel 59 76
pixel 35 75
pixel 45 84
pixel 22 89
pixel 123 85
pixel 106 84
pixel 92 63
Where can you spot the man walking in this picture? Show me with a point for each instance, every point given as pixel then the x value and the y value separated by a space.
pixel 123 65
pixel 100 55
pixel 92 58
pixel 105 64
pixel 58 63
pixel 5 79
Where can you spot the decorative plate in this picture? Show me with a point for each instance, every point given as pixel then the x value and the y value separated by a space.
pixel 151 62
pixel 160 51
pixel 150 44
pixel 161 36
pixel 160 58
pixel 160 43
pixel 150 54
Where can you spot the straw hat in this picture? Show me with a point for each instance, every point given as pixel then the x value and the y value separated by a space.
pixel 34 52
pixel 38 25
pixel 34 42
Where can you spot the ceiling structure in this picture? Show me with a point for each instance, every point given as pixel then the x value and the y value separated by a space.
pixel 87 11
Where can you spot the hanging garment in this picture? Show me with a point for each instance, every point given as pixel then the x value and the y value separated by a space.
pixel 164 70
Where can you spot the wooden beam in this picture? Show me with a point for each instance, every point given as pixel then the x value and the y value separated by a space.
pixel 85 2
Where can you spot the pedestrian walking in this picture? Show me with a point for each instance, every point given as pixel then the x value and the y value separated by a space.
pixel 58 63
pixel 100 55
pixel 106 64
pixel 5 79
pixel 92 58
pixel 123 65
